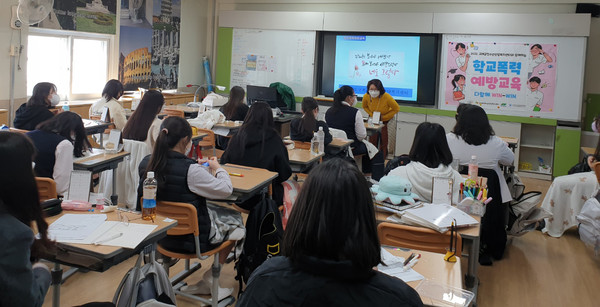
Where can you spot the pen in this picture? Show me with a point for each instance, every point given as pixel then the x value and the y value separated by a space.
pixel 236 174
pixel 412 255
pixel 410 264
pixel 118 235
pixel 487 201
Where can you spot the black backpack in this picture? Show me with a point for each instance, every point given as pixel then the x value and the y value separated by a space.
pixel 264 233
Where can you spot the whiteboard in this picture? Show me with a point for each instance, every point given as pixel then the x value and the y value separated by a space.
pixel 566 72
pixel 261 57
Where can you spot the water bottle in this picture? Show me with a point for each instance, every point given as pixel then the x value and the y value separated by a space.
pixel 4 128
pixel 149 197
pixel 473 168
pixel 65 106
pixel 321 139
pixel 314 145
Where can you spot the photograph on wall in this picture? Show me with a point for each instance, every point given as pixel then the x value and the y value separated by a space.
pixel 97 16
pixel 506 76
pixel 136 13
pixel 166 21
pixel 135 57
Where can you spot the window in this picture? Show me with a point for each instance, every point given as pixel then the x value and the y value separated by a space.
pixel 77 63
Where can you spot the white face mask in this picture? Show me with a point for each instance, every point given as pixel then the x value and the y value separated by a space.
pixel 54 100
pixel 354 101
pixel 374 94
pixel 188 148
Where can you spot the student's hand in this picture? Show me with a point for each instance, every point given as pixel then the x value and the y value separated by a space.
pixel 213 163
pixel 591 160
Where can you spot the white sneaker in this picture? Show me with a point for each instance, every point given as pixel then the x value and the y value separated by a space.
pixel 203 287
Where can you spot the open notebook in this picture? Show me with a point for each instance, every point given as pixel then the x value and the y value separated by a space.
pixel 437 217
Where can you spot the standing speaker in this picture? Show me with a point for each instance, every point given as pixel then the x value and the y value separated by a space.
pixel 588 8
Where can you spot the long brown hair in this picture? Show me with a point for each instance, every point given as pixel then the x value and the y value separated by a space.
pixel 65 123
pixel 258 120
pixel 18 189
pixel 309 122
pixel 173 129
pixel 140 121
pixel 236 98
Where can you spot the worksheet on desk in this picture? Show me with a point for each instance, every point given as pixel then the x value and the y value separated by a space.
pixel 75 227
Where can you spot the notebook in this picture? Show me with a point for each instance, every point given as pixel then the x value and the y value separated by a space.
pixel 438 217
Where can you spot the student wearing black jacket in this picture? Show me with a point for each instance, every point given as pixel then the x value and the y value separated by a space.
pixel 257 144
pixel 35 111
pixel 235 110
pixel 302 129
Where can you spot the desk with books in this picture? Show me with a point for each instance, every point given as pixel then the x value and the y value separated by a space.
pixel 100 161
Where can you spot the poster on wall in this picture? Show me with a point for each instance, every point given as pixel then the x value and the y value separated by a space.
pixel 97 16
pixel 136 13
pixel 166 21
pixel 513 77
pixel 135 57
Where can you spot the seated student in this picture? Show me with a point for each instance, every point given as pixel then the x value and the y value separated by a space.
pixel 113 90
pixel 57 140
pixel 144 124
pixel 303 129
pixel 430 157
pixel 235 110
pixel 35 111
pixel 258 144
pixel 181 179
pixel 330 248
pixel 473 136
pixel 344 116
pixel 21 283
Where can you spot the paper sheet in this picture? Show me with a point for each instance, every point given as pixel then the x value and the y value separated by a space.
pixel 131 235
pixel 396 271
pixel 79 185
pixel 75 227
pixel 221 131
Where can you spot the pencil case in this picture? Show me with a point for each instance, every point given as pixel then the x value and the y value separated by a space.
pixel 76 205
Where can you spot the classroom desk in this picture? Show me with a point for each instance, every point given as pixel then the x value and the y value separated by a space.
pixel 254 180
pixel 512 142
pixel 588 150
pixel 102 161
pixel 373 128
pixel 189 112
pixel 282 123
pixel 302 159
pixel 433 267
pixel 339 145
pixel 99 257
pixel 96 127
pixel 232 126
pixel 198 137
pixel 4 117
pixel 469 234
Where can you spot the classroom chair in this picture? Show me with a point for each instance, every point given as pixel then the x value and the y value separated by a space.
pixel 46 188
pixel 419 238
pixel 18 130
pixel 596 167
pixel 187 223
pixel 203 147
pixel 302 145
pixel 174 112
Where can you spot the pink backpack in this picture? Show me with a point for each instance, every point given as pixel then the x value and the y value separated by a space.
pixel 291 188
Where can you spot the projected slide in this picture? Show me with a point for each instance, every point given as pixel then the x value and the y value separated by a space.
pixel 392 59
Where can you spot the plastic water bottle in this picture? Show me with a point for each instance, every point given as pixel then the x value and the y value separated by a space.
pixel 314 145
pixel 149 197
pixel 65 106
pixel 473 168
pixel 321 138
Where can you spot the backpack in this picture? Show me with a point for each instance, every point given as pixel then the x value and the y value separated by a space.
pixel 580 167
pixel 589 219
pixel 143 283
pixel 524 215
pixel 515 185
pixel 264 233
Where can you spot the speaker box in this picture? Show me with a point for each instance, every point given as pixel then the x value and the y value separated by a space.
pixel 588 8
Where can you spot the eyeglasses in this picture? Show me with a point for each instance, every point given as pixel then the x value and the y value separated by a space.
pixel 125 219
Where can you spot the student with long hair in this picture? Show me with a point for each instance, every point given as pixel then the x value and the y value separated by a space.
pixel 330 247
pixel 473 136
pixel 376 99
pixel 144 124
pixel 57 140
pixel 113 90
pixel 344 116
pixel 181 179
pixel 21 283
pixel 35 111
pixel 258 144
pixel 235 108
pixel 430 157
pixel 302 129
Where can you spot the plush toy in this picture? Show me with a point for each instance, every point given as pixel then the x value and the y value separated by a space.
pixel 394 188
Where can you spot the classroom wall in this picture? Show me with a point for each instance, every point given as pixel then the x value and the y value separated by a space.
pixel 9 36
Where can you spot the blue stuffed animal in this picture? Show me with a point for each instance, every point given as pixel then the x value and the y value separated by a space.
pixel 394 188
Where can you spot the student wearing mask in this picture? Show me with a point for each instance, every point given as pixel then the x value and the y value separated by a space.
pixel 377 100
pixel 113 90
pixel 36 110
pixel 144 124
pixel 57 140
pixel 330 248
pixel 23 280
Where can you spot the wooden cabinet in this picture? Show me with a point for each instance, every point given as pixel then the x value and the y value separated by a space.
pixel 4 117
pixel 178 98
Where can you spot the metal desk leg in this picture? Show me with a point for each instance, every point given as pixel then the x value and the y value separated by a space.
pixel 56 281
pixel 101 140
pixel 471 276
pixel 114 198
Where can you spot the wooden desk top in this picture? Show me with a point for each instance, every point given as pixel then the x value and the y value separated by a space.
pixel 471 232
pixel 340 143
pixel 97 159
pixel 433 267
pixel 374 127
pixel 588 150
pixel 198 137
pixel 105 251
pixel 184 108
pixel 228 124
pixel 253 178
pixel 510 140
pixel 303 156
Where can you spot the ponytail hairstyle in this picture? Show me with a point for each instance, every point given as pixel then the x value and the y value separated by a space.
pixel 309 122
pixel 341 94
pixel 456 79
pixel 236 97
pixel 65 124
pixel 259 120
pixel 172 130
pixel 18 188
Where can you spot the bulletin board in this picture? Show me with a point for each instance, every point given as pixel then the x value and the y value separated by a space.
pixel 514 75
pixel 261 57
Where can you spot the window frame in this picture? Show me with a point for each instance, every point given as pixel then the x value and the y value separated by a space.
pixel 70 36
